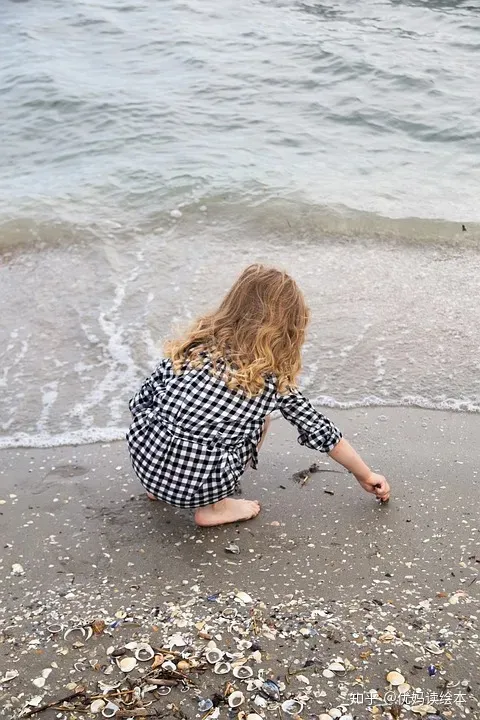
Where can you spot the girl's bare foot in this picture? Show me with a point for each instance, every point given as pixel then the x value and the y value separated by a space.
pixel 226 511
pixel 151 497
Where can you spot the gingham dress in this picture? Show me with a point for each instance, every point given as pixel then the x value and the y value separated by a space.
pixel 191 437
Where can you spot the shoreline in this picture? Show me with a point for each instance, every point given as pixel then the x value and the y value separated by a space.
pixel 91 545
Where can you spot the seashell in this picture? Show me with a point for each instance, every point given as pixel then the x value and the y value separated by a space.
pixel 9 675
pixel 183 666
pixel 395 678
pixel 271 690
pixel 131 646
pixel 235 699
pixel 204 705
pixel 242 672
pixel 35 701
pixel 260 701
pixel 403 688
pixel 97 706
pixel 232 548
pixel 54 628
pixel 77 629
pixel 433 647
pixel 335 713
pixel 39 682
pixel 336 667
pixel 254 716
pixel 126 664
pixel 169 665
pixel 324 716
pixel 222 668
pixel 144 653
pixel 303 679
pixel 243 597
pixel 88 632
pixel 292 707
pixel 164 690
pixel 214 656
pixel 423 710
pixel 329 674
pixel 229 612
pixel 157 661
pixel 176 640
pixel 110 710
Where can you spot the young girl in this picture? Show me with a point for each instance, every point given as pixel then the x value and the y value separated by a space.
pixel 200 419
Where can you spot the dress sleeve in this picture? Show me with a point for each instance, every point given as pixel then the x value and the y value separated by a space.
pixel 144 398
pixel 315 430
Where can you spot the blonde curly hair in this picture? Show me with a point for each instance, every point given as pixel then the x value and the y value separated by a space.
pixel 257 331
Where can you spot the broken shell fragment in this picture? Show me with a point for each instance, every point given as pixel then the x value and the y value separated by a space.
pixel 229 612
pixel 243 672
pixel 214 656
pixel 395 678
pixel 39 682
pixel 169 665
pixel 235 699
pixel 157 661
pixel 324 716
pixel 9 675
pixel 126 664
pixel 336 667
pixel 144 653
pixel 254 716
pixel 97 706
pixel 329 674
pixel 222 668
pixel 164 690
pixel 433 648
pixel 183 666
pixel 292 707
pixel 204 705
pixel 232 548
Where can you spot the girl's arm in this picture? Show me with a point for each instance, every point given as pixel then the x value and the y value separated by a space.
pixel 344 454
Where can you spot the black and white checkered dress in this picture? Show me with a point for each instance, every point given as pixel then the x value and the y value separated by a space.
pixel 191 437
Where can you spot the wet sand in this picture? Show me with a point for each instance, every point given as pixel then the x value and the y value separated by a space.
pixel 374 585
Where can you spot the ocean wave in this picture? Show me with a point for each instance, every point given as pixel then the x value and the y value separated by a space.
pixel 107 435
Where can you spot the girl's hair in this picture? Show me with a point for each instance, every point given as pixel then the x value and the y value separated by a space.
pixel 258 331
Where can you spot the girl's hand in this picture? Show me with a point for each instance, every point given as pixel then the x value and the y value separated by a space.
pixel 374 483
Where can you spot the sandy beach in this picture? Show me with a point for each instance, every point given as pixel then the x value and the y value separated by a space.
pixel 332 576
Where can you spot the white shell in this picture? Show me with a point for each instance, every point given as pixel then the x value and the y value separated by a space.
pixel 303 679
pixel 168 665
pixel 242 672
pixel 335 713
pixel 9 675
pixel 39 682
pixel 260 701
pixel 395 678
pixel 324 716
pixel 126 664
pixel 328 674
pixel 403 688
pixel 17 569
pixel 222 668
pixel 76 629
pixel 97 706
pixel 243 597
pixel 110 710
pixel 55 628
pixel 214 656
pixel 292 707
pixel 433 648
pixel 144 652
pixel 236 699
pixel 336 667
pixel 254 716
pixel 229 612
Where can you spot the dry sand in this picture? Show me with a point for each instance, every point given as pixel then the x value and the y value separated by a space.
pixel 331 575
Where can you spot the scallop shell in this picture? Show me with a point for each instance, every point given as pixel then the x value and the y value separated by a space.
pixel 395 678
pixel 235 699
pixel 292 707
pixel 126 664
pixel 242 672
pixel 144 653
pixel 214 656
pixel 222 668
pixel 243 597
pixel 97 706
